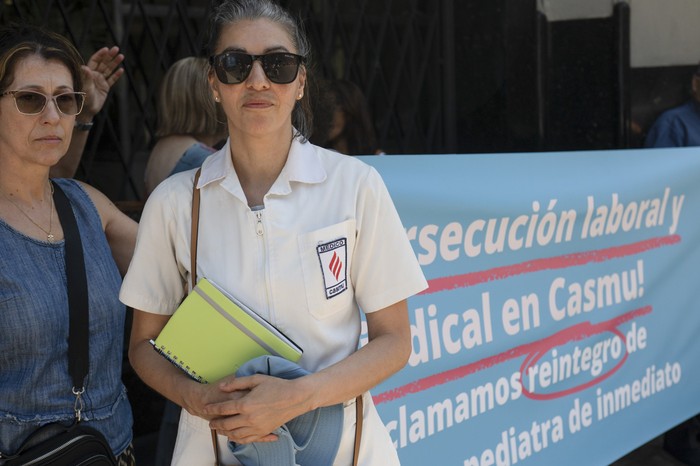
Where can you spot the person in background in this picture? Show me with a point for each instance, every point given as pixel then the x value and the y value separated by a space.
pixel 342 119
pixel 679 126
pixel 190 124
pixel 99 75
pixel 41 95
pixel 274 208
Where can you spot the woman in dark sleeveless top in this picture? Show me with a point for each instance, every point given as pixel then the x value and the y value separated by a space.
pixel 40 96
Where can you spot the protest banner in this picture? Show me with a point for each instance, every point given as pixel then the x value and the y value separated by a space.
pixel 561 321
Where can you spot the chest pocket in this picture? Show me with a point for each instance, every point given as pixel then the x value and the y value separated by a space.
pixel 326 259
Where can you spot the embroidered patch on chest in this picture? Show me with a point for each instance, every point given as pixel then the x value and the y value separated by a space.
pixel 334 257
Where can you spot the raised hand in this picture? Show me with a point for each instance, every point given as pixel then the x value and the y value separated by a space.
pixel 99 75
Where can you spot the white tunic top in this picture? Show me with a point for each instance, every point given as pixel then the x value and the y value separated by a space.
pixel 327 243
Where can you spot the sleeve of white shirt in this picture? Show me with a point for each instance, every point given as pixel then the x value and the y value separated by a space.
pixel 157 272
pixel 385 269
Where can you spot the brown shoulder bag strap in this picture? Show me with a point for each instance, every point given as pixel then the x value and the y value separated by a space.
pixel 195 230
pixel 359 416
pixel 193 272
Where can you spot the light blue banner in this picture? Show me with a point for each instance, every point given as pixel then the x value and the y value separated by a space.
pixel 561 323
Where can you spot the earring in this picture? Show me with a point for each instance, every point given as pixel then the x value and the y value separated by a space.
pixel 216 98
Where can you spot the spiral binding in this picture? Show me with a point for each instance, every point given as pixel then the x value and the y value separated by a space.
pixel 178 362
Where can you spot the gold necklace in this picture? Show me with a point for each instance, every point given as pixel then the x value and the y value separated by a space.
pixel 49 236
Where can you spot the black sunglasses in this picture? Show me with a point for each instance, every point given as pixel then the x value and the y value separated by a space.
pixel 235 67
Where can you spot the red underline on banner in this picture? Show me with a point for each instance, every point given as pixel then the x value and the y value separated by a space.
pixel 573 333
pixel 548 263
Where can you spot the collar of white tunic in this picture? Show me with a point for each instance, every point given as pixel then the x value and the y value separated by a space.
pixel 303 165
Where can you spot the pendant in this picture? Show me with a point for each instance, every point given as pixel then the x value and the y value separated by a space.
pixel 50 238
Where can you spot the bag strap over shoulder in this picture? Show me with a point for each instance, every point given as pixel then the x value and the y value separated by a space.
pixel 78 341
pixel 359 416
pixel 194 228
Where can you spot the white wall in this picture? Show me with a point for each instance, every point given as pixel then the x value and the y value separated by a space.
pixel 558 10
pixel 663 32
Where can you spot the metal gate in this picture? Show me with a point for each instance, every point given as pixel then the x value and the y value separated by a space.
pixel 399 52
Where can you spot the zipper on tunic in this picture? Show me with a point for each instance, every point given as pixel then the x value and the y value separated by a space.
pixel 259 230
pixel 259 225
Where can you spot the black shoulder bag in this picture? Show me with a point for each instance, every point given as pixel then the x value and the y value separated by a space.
pixel 56 444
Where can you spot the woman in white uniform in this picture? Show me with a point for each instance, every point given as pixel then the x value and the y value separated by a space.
pixel 307 237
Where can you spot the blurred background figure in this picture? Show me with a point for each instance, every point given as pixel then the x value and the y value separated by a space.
pixel 679 126
pixel 342 120
pixel 190 124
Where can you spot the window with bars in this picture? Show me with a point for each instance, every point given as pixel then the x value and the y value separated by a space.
pixel 390 49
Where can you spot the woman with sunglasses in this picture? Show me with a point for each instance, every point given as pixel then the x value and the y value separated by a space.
pixel 40 97
pixel 304 236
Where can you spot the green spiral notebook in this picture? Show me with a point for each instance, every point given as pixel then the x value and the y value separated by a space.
pixel 211 334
